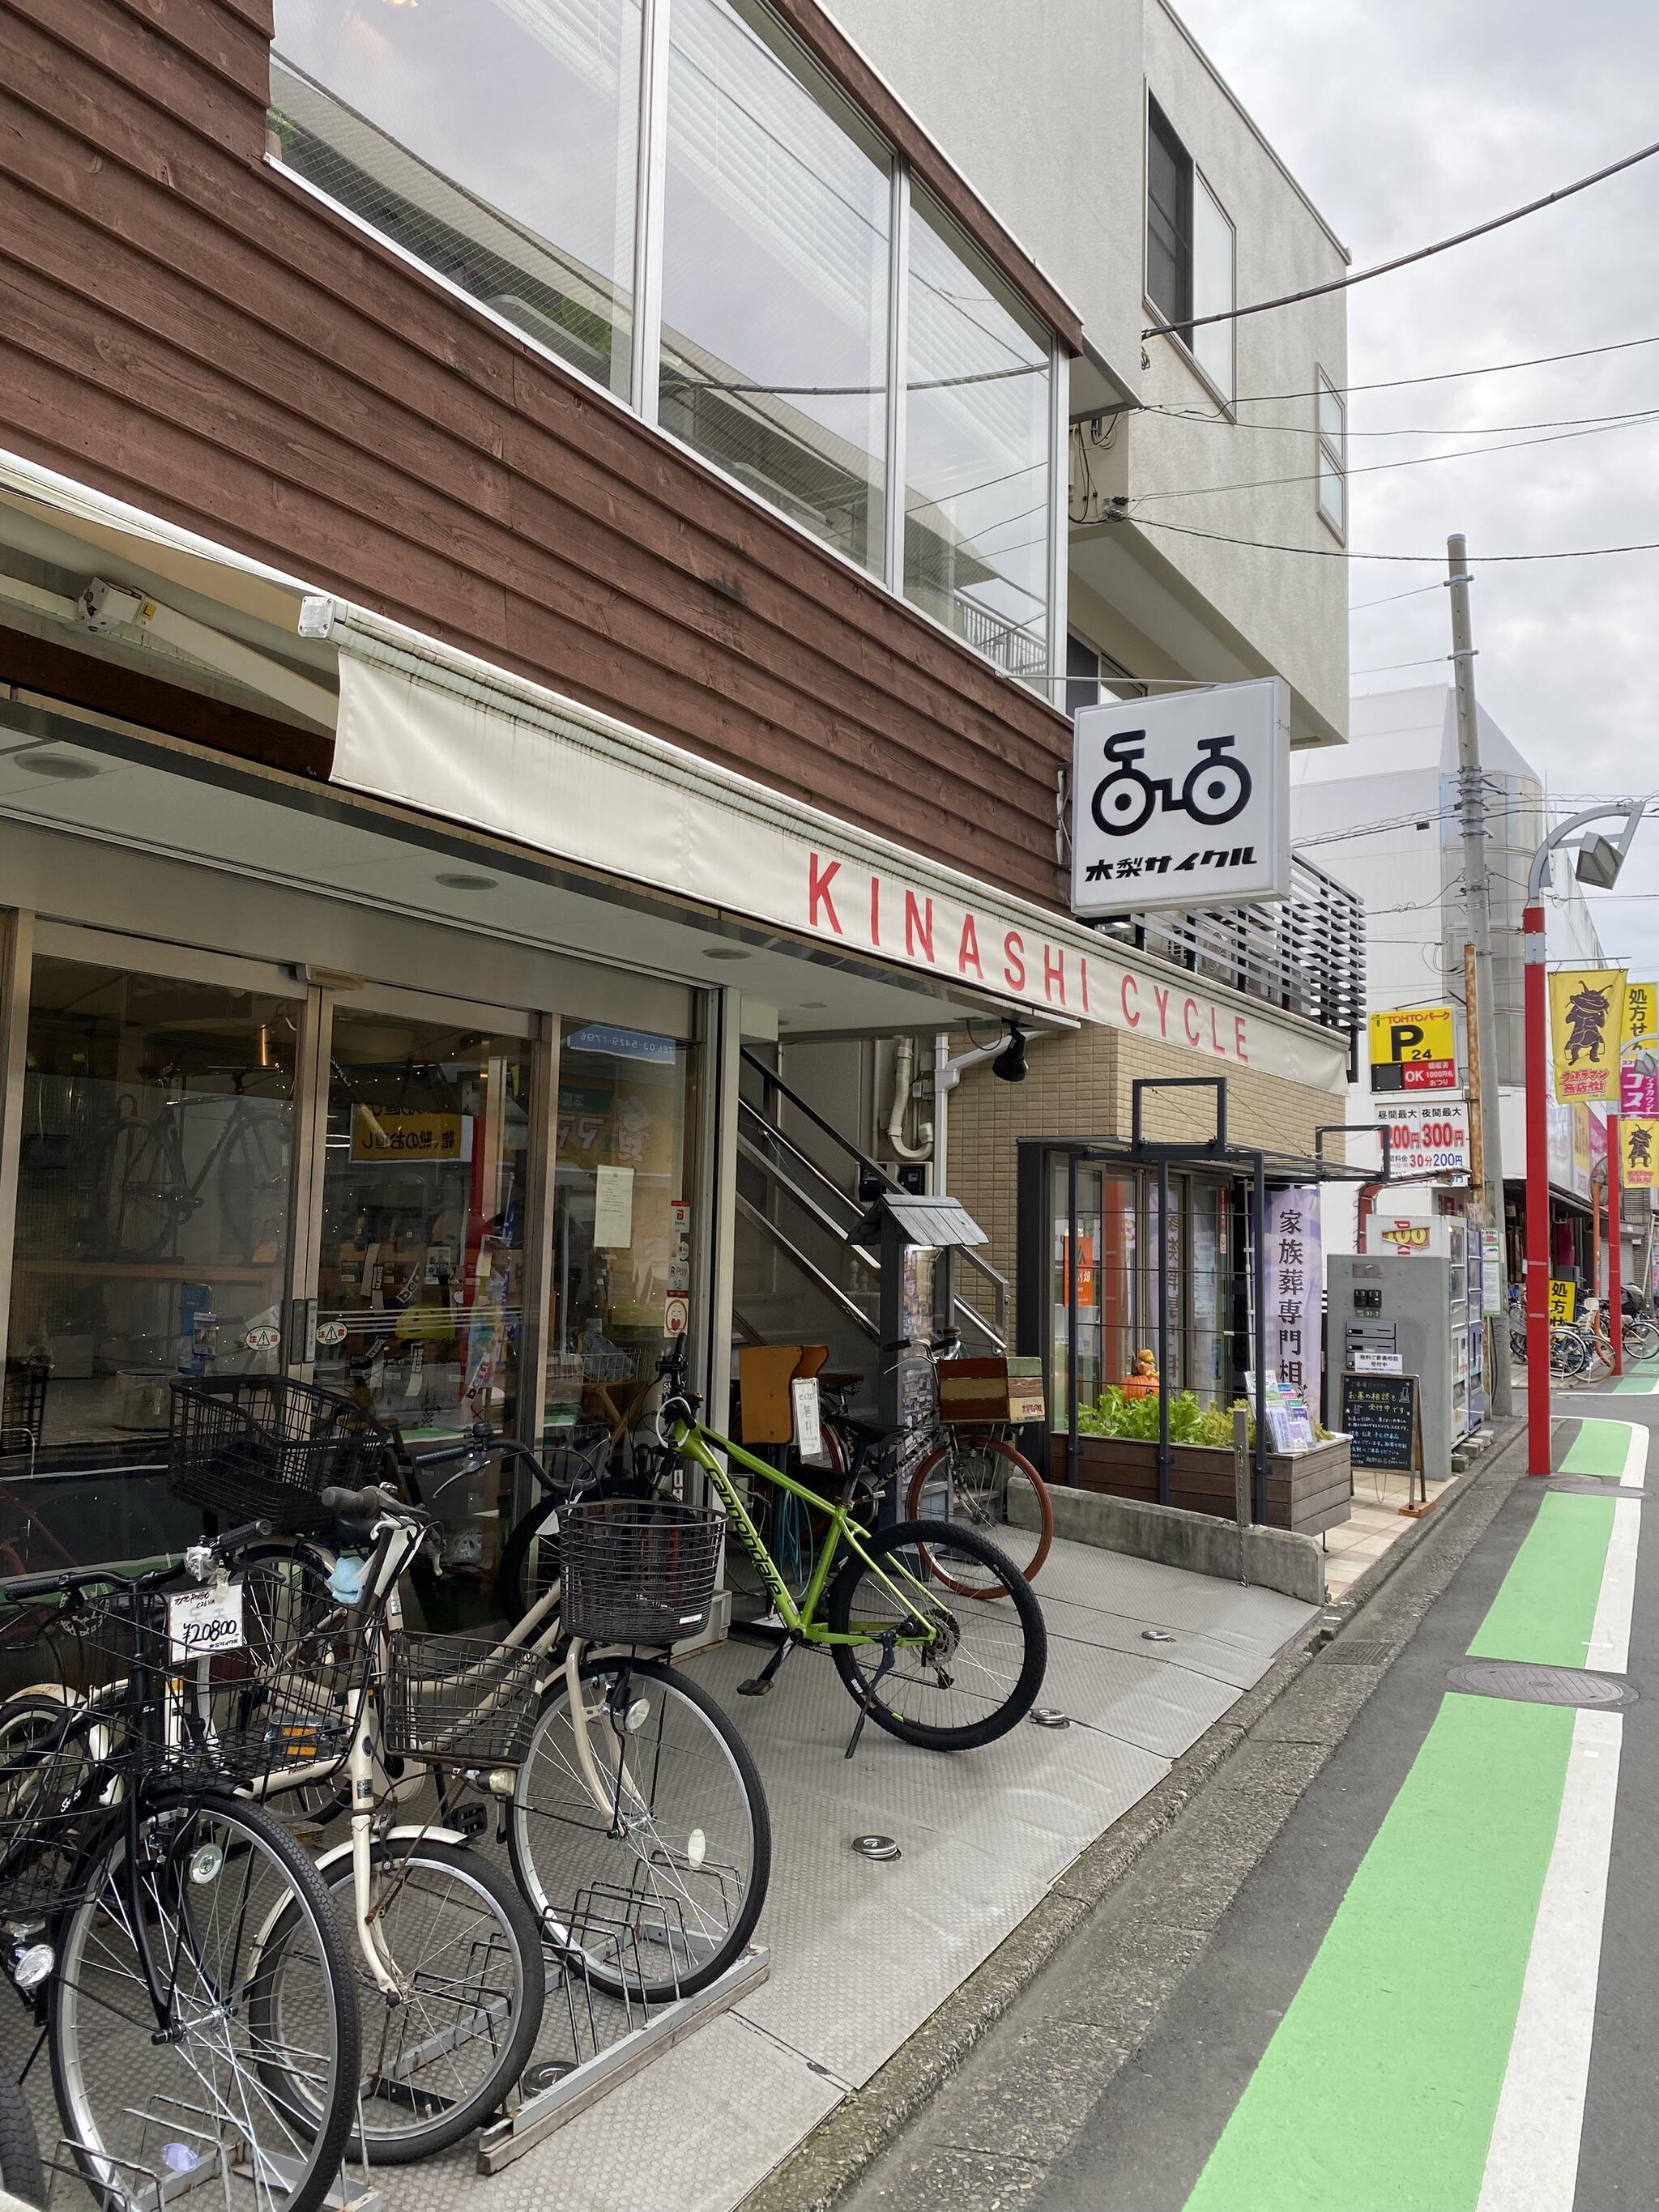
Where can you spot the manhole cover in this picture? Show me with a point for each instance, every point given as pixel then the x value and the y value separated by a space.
pixel 1587 1485
pixel 1358 1651
pixel 1540 1685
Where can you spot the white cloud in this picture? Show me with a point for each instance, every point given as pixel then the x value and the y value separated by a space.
pixel 1406 122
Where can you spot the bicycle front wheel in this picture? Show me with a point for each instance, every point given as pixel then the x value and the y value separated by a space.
pixel 658 1891
pixel 20 2171
pixel 983 1483
pixel 166 2055
pixel 438 2064
pixel 929 1666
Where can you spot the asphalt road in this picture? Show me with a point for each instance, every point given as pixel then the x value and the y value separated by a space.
pixel 1401 1955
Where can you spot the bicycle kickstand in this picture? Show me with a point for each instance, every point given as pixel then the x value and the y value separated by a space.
pixel 889 1646
pixel 758 1685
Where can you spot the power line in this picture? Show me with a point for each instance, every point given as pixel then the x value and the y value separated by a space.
pixel 1410 430
pixel 1403 383
pixel 1344 553
pixel 1404 260
pixel 1415 593
pixel 1413 461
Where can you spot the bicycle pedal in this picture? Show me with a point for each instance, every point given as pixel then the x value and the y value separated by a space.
pixel 757 1685
pixel 471 1821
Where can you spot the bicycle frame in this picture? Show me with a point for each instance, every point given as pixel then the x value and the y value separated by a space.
pixel 693 1442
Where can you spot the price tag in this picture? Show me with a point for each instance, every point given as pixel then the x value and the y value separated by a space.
pixel 809 1426
pixel 206 1621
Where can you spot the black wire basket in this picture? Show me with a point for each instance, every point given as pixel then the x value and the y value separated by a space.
pixel 638 1570
pixel 457 1701
pixel 261 1447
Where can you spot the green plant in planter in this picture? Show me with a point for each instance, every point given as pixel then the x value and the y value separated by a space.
pixel 1135 1420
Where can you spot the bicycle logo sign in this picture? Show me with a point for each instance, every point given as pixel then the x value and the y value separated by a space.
pixel 1183 801
pixel 1215 790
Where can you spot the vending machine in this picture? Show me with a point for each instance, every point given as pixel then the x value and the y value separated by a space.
pixel 1387 1311
pixel 1442 1236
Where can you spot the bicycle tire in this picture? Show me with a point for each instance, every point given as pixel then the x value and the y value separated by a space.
pixel 984 1506
pixel 178 1837
pixel 388 2063
pixel 1016 1641
pixel 516 1584
pixel 712 1936
pixel 146 1169
pixel 22 2173
pixel 287 1605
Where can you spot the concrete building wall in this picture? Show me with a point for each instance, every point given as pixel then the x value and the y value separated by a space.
pixel 1044 112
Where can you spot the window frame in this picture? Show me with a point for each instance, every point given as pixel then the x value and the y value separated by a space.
pixel 1335 453
pixel 639 405
pixel 1194 181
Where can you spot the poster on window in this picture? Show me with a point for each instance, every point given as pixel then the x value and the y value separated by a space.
pixel 1295 1280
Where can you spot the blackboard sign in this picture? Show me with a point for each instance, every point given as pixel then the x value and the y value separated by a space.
pixel 1380 1413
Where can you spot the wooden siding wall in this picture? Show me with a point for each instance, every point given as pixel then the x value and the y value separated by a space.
pixel 184 328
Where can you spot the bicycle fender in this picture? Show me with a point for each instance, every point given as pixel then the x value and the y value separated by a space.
pixel 338 1852
pixel 413 1828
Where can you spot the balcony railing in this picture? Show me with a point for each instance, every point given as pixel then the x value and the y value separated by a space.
pixel 1305 954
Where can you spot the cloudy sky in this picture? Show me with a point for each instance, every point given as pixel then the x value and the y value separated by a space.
pixel 1407 120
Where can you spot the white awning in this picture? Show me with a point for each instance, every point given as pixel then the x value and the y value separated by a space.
pixel 461 740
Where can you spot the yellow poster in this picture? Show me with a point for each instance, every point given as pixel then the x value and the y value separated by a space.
pixel 1641 1018
pixel 1587 1025
pixel 1564 1298
pixel 1413 1048
pixel 1638 1151
pixel 380 1133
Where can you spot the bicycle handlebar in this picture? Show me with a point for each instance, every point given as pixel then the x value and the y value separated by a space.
pixel 364 1504
pixel 59 1581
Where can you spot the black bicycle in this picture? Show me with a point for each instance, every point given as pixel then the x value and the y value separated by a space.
pixel 1216 788
pixel 136 1895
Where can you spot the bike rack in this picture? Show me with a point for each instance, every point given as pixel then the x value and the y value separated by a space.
pixel 587 2079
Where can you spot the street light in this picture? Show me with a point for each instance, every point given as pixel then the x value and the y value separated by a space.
pixel 1600 860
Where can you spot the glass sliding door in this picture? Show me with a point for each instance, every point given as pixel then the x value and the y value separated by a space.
pixel 152 1196
pixel 625 1224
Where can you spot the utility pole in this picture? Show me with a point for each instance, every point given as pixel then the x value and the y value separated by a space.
pixel 1480 1012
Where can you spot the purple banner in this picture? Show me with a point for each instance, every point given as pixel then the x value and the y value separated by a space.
pixel 1639 1090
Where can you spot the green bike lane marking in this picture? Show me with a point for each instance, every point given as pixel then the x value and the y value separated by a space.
pixel 1379 2088
pixel 1616 1450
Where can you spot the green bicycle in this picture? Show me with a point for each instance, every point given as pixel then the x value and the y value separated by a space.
pixel 885 1603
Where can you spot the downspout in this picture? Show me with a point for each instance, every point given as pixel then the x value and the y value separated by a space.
pixel 905 1068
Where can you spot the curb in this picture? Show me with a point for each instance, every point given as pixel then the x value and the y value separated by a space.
pixel 821 2171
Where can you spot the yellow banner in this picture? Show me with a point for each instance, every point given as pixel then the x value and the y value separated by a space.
pixel 1638 1151
pixel 1564 1298
pixel 1641 1018
pixel 1587 1023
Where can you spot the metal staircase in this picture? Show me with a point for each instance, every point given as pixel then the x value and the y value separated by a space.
pixel 795 1221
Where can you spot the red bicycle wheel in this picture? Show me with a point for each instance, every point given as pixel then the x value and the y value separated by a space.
pixel 986 1482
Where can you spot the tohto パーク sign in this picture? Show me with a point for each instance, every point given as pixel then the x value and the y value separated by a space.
pixel 1413 1048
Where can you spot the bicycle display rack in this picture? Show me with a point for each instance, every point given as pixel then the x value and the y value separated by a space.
pixel 592 2041
pixel 156 2188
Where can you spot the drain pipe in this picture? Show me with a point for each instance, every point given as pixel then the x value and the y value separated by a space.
pixel 905 1068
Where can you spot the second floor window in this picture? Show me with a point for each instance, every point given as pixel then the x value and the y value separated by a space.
pixel 1332 480
pixel 1189 251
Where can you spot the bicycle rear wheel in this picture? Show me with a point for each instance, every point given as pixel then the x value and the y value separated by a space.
pixel 437 2065
pixel 984 1483
pixel 659 1892
pixel 213 2079
pixel 978 1675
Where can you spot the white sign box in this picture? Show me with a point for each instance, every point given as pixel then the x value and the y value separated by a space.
pixel 1182 802
pixel 1428 1134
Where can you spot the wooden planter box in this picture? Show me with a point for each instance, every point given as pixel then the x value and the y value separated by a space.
pixel 1306 1491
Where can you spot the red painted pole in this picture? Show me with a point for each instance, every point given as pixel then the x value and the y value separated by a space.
pixel 1537 1271
pixel 1615 1254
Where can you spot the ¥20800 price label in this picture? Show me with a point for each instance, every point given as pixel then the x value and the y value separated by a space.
pixel 203 1622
